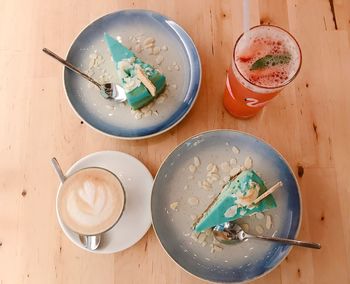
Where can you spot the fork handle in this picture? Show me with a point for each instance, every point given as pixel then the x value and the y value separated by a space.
pixel 71 66
pixel 288 241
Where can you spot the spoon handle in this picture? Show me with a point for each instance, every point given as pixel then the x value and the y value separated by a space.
pixel 288 241
pixel 71 66
pixel 58 169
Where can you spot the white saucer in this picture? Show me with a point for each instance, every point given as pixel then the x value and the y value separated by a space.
pixel 137 182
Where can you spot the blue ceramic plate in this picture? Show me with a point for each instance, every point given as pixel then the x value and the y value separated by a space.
pixel 176 183
pixel 178 58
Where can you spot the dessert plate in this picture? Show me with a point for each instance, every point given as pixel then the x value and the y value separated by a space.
pixel 137 182
pixel 178 187
pixel 176 57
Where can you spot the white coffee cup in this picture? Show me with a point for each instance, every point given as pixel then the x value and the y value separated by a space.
pixel 90 201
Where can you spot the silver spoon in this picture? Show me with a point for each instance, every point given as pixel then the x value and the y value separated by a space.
pixel 90 242
pixel 230 233
pixel 107 90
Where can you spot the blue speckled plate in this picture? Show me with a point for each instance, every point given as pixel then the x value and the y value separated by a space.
pixel 181 66
pixel 176 183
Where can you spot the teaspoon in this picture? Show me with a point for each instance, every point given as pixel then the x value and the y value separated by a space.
pixel 230 233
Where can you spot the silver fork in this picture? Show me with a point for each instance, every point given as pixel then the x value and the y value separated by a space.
pixel 108 90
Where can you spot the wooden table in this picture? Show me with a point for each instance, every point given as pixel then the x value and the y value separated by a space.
pixel 309 124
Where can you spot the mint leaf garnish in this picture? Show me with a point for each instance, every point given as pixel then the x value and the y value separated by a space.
pixel 270 60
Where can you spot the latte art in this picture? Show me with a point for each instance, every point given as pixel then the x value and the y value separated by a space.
pixel 91 201
pixel 93 195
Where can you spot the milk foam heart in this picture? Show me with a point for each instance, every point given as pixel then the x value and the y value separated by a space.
pixel 87 193
pixel 94 195
pixel 91 201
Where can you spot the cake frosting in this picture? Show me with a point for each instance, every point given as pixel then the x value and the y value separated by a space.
pixel 236 201
pixel 127 65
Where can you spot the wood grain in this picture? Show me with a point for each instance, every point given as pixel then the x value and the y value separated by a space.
pixel 308 123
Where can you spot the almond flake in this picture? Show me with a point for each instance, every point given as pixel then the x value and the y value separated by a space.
pixel 174 205
pixel 205 187
pixel 259 229
pixel 201 238
pixel 160 100
pixel 214 176
pixel 193 201
pixel 214 169
pixel 149 40
pixel 156 50
pixel 148 113
pixel 235 171
pixel 259 216
pixel 210 180
pixel 225 167
pixel 194 236
pixel 268 222
pixel 235 150
pixel 138 115
pixel 205 183
pixel 192 168
pixel 245 227
pixel 159 59
pixel 226 179
pixel 196 161
pixel 217 248
pixel 210 167
pixel 248 163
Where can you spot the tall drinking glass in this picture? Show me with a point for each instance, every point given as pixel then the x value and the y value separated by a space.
pixel 265 59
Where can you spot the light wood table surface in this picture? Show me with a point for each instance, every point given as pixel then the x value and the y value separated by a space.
pixel 309 123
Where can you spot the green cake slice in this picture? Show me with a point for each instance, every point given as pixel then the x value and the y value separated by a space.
pixel 127 64
pixel 235 201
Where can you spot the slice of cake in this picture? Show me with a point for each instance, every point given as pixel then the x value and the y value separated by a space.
pixel 141 81
pixel 236 201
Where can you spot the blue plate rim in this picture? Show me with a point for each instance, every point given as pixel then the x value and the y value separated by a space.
pixel 179 119
pixel 260 140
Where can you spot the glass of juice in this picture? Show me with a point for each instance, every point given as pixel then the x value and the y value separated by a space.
pixel 265 59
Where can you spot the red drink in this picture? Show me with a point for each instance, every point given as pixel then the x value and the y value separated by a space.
pixel 265 59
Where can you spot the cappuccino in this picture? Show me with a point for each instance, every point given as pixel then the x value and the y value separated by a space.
pixel 91 201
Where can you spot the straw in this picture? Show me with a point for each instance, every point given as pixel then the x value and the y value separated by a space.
pixel 246 14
